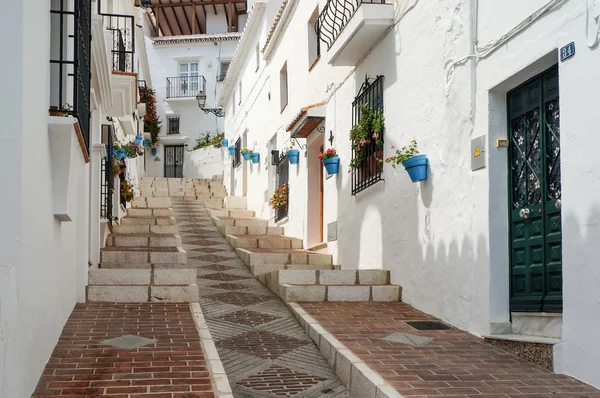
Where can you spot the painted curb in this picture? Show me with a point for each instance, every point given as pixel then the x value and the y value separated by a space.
pixel 218 377
pixel 360 379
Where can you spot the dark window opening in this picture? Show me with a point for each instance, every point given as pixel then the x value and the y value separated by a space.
pixel 238 156
pixel 173 125
pixel 283 172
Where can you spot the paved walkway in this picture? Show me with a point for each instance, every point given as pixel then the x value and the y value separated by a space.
pixel 264 350
pixel 429 363
pixel 153 350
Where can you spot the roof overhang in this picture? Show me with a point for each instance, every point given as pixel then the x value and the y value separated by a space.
pixel 307 120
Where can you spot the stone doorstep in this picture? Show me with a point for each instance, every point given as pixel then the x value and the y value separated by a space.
pixel 146 293
pixel 360 379
pixel 312 293
pixel 524 338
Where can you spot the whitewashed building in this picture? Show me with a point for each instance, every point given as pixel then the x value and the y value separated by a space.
pixel 501 96
pixel 69 67
pixel 189 51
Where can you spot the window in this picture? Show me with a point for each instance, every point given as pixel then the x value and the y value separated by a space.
pixel 257 56
pixel 314 45
pixel 240 91
pixel 366 160
pixel 238 157
pixel 173 125
pixel 223 70
pixel 283 87
pixel 188 78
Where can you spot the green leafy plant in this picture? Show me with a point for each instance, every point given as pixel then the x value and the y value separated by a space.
pixel 366 136
pixel 208 140
pixel 151 121
pixel 279 198
pixel 246 150
pixel 117 167
pixel 406 152
pixel 126 191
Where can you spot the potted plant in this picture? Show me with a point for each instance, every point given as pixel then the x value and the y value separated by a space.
pixel 292 154
pixel 246 153
pixel 366 139
pixel 414 163
pixel 231 150
pixel 255 157
pixel 126 191
pixel 279 198
pixel 153 149
pixel 330 160
pixel 224 142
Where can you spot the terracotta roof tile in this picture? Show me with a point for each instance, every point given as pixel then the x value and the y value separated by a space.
pixel 300 114
pixel 275 24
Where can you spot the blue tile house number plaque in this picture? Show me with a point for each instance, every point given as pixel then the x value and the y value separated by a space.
pixel 567 51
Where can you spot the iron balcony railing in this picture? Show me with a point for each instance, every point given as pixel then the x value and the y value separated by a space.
pixel 335 16
pixel 185 86
pixel 122 28
pixel 70 57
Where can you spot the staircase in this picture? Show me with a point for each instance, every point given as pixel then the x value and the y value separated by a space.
pixel 288 270
pixel 143 259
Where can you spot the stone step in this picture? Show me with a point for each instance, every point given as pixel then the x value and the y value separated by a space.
pixel 264 241
pixel 231 213
pixel 283 256
pixel 261 270
pixel 241 222
pixel 154 276
pixel 236 203
pixel 213 203
pixel 151 240
pixel 108 265
pixel 144 229
pixel 233 230
pixel 312 293
pixel 140 255
pixel 152 220
pixel 137 212
pixel 140 294
pixel 143 202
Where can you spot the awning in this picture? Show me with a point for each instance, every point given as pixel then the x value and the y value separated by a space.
pixel 307 120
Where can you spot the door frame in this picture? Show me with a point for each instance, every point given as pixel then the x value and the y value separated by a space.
pixel 543 177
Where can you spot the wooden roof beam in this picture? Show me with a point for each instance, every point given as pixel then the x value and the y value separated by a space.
pixel 198 3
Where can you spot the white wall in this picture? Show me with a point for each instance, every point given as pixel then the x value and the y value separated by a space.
pixel 164 62
pixel 204 162
pixel 38 261
pixel 445 239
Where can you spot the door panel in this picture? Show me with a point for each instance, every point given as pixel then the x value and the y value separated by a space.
pixel 535 232
pixel 174 161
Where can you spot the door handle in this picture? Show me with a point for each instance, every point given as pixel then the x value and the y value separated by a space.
pixel 524 213
pixel 557 204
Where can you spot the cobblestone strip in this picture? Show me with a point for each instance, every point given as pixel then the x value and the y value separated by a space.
pixel 426 363
pixel 264 351
pixel 218 377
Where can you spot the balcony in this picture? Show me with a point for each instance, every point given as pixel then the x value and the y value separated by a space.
pixel 350 28
pixel 185 87
pixel 122 31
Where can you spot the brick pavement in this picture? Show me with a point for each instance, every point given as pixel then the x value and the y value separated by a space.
pixel 264 350
pixel 172 366
pixel 454 363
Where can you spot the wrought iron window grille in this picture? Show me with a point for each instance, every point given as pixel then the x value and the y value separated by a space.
pixel 70 63
pixel 335 16
pixel 370 168
pixel 122 28
pixel 283 172
pixel 173 125
pixel 107 178
pixel 238 156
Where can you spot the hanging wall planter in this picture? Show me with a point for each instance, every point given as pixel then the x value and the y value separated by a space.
pixel 255 157
pixel 224 143
pixel 293 156
pixel 330 160
pixel 154 151
pixel 231 150
pixel 139 139
pixel 246 153
pixel 416 167
pixel 121 154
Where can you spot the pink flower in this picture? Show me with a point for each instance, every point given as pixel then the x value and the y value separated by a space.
pixel 393 146
pixel 375 136
pixel 321 156
pixel 390 158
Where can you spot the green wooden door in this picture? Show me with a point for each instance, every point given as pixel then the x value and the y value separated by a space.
pixel 534 181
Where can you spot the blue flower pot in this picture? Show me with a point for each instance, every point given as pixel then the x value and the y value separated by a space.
pixel 231 150
pixel 417 167
pixel 293 156
pixel 255 157
pixel 121 154
pixel 139 139
pixel 246 155
pixel 332 165
pixel 154 151
pixel 224 143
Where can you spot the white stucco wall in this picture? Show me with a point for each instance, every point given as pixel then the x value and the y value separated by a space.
pixel 204 162
pixel 39 261
pixel 164 62
pixel 445 240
